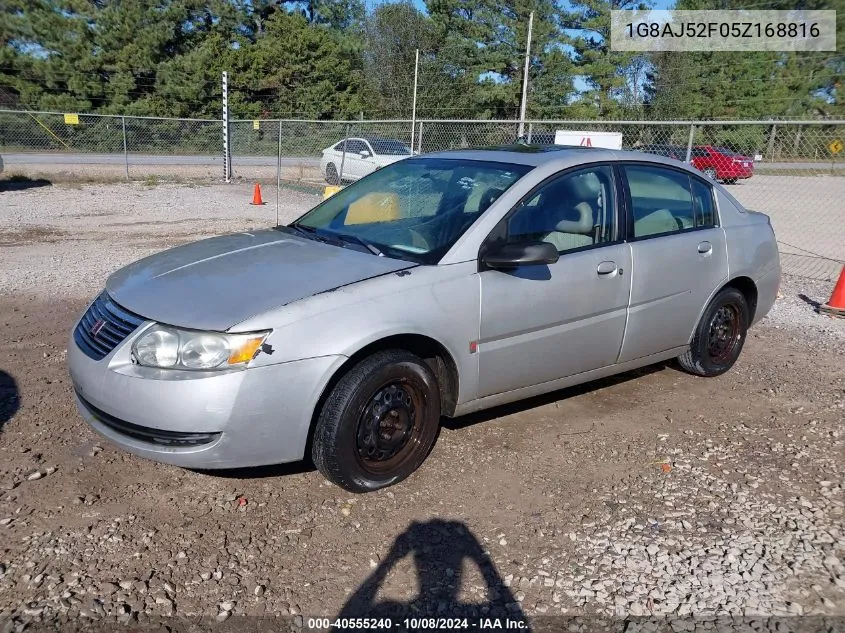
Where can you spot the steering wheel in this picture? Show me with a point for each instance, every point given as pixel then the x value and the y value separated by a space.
pixel 449 223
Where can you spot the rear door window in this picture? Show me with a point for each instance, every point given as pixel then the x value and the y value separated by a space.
pixel 356 147
pixel 705 210
pixel 661 200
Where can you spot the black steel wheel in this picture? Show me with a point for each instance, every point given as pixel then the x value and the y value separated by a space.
pixel 719 336
pixel 389 429
pixel 378 423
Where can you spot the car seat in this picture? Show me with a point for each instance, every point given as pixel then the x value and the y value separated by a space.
pixel 488 198
pixel 570 208
pixel 656 222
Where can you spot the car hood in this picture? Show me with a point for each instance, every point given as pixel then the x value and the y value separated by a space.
pixel 219 282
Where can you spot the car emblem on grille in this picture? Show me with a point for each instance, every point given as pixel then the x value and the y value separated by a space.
pixel 98 325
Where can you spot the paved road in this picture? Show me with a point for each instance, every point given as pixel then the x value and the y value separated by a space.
pixel 269 161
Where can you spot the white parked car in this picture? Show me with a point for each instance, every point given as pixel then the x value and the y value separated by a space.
pixel 362 156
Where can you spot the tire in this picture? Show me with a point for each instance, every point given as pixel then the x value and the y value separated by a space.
pixel 345 448
pixel 711 174
pixel 730 181
pixel 719 336
pixel 332 177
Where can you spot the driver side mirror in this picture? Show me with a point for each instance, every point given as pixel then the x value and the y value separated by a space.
pixel 533 253
pixel 365 154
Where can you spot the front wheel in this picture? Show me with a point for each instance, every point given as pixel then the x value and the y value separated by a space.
pixel 378 423
pixel 730 181
pixel 719 336
pixel 711 174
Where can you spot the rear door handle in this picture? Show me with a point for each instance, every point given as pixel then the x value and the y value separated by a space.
pixel 606 268
pixel 705 247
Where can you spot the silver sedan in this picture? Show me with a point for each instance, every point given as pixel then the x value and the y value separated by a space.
pixel 436 286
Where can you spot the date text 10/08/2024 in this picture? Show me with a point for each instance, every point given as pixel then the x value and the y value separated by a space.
pixel 387 624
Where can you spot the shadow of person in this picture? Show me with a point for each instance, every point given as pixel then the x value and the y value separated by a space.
pixel 22 183
pixel 439 549
pixel 9 398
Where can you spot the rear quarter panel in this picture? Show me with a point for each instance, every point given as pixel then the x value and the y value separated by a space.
pixel 752 251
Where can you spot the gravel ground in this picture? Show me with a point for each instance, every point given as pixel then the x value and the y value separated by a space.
pixel 70 238
pixel 654 493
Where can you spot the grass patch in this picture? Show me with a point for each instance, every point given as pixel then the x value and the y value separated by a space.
pixel 302 186
pixel 804 173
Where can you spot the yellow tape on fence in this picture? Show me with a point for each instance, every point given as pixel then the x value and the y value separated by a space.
pixel 49 131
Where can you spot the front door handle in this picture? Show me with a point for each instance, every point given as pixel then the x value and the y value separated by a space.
pixel 705 248
pixel 606 268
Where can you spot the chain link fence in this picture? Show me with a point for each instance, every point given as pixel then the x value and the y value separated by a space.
pixel 792 170
pixel 93 146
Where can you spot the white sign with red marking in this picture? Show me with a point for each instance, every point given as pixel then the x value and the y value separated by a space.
pixel 607 140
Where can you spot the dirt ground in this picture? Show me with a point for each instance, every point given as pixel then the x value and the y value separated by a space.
pixel 654 493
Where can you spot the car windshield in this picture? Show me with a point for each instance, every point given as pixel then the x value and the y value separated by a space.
pixel 390 148
pixel 414 209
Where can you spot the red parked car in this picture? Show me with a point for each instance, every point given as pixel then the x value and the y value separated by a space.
pixel 721 163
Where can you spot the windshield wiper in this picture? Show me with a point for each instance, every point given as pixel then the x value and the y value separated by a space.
pixel 354 238
pixel 310 232
pixel 315 233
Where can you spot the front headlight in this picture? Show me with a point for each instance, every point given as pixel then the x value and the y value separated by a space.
pixel 171 348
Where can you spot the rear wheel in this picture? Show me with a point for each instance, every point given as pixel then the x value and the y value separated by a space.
pixel 719 336
pixel 710 173
pixel 332 176
pixel 730 181
pixel 379 422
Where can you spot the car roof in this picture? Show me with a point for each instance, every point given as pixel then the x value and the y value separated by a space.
pixel 565 155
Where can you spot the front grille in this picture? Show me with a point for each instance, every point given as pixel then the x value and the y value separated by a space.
pixel 147 434
pixel 104 326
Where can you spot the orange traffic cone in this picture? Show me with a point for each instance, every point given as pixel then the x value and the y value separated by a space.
pixel 836 305
pixel 256 195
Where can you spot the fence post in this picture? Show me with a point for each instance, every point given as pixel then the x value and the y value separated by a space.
pixel 414 103
pixel 227 156
pixel 524 100
pixel 125 152
pixel 343 156
pixel 771 150
pixel 689 142
pixel 419 139
pixel 530 132
pixel 279 173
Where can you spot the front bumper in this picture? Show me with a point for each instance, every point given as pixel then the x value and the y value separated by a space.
pixel 252 417
pixel 734 172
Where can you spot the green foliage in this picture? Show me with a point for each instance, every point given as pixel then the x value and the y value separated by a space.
pixel 747 85
pixel 612 77
pixel 295 69
pixel 332 59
